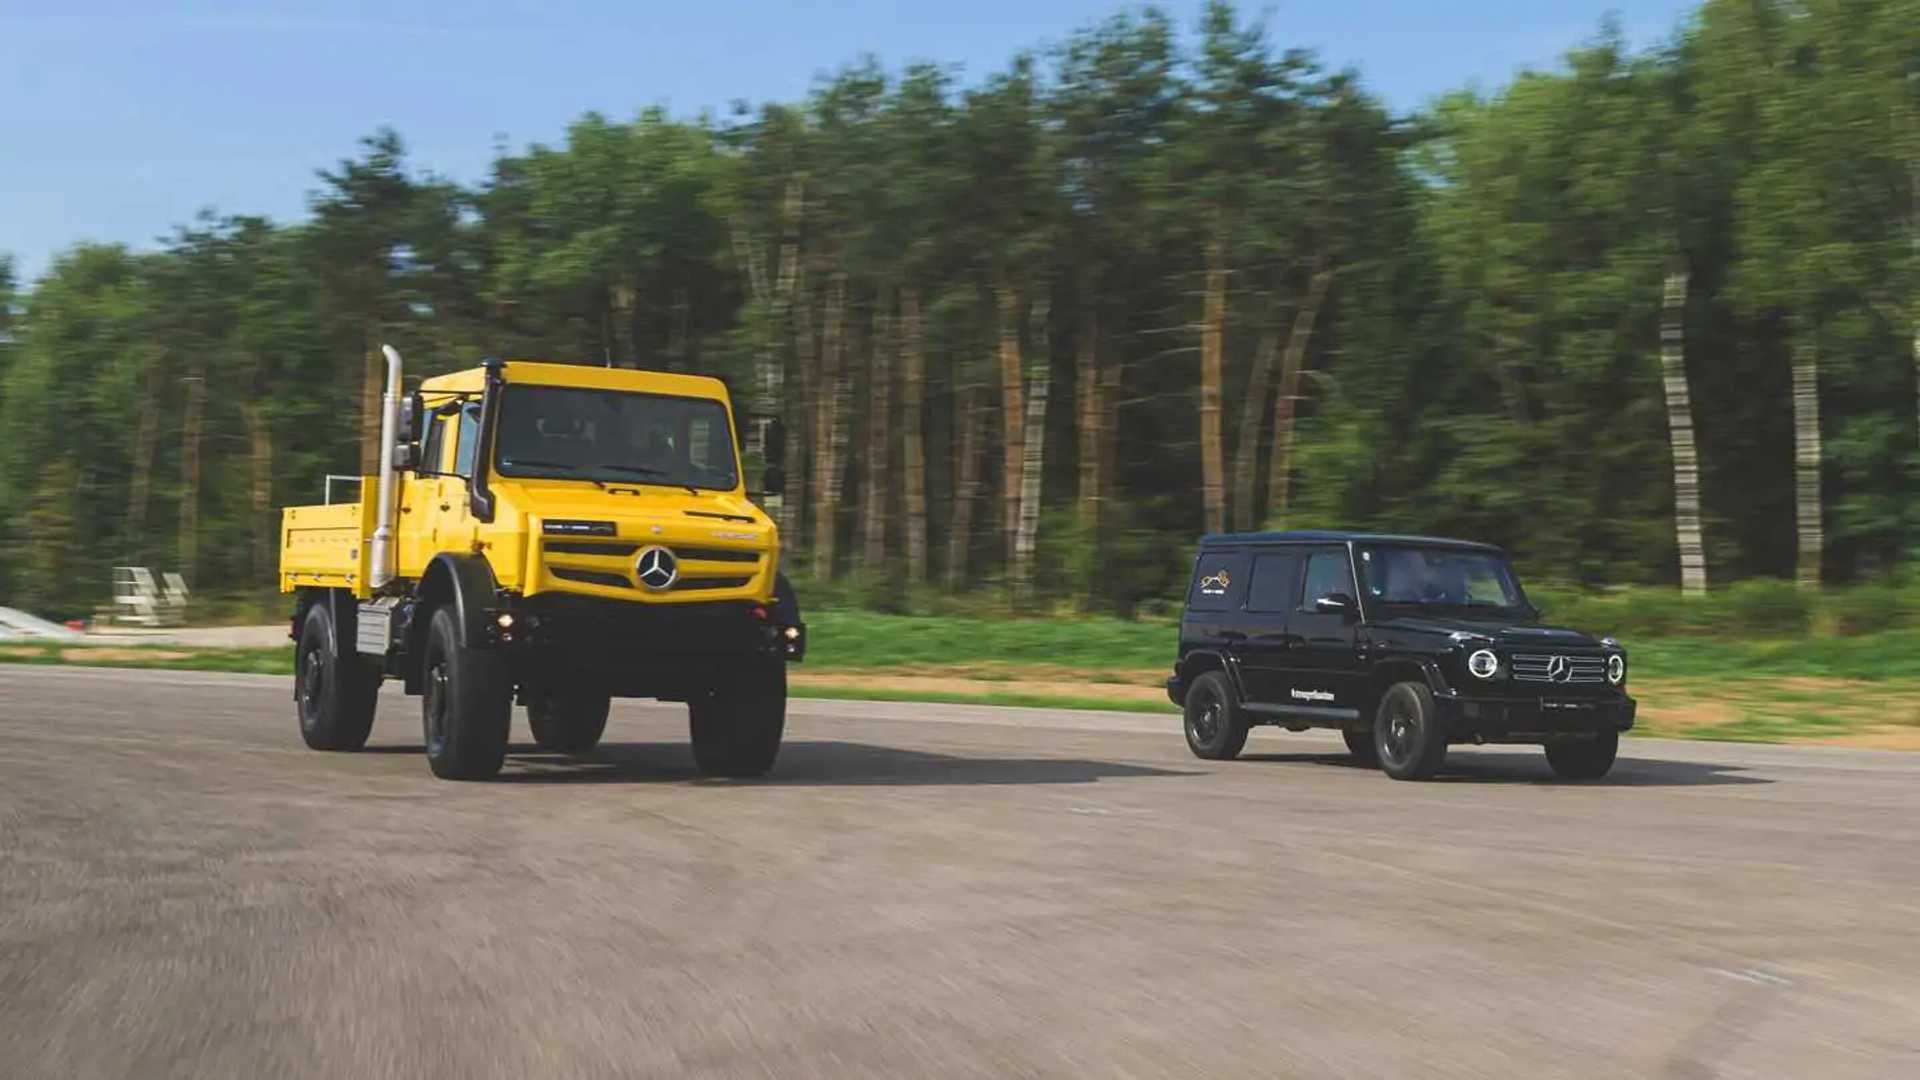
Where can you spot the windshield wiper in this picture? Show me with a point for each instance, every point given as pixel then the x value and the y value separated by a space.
pixel 539 464
pixel 647 470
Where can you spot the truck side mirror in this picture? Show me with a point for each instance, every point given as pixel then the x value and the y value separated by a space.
pixel 410 419
pixel 773 481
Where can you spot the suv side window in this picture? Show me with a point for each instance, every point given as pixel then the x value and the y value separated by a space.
pixel 1327 572
pixel 1275 576
pixel 1219 581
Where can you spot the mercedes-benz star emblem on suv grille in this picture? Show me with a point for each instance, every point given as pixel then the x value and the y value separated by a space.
pixel 1559 669
pixel 657 569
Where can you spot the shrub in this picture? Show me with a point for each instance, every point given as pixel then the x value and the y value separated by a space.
pixel 1766 606
pixel 1866 609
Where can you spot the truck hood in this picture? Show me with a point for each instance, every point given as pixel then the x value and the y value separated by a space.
pixel 1500 631
pixel 637 505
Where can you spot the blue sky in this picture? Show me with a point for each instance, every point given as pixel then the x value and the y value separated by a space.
pixel 123 119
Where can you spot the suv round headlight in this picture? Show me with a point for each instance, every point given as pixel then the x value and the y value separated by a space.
pixel 1616 669
pixel 1483 664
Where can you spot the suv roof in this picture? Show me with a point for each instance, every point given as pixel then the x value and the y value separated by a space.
pixel 1334 536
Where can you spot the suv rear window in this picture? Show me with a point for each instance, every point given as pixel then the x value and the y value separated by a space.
pixel 1219 581
pixel 1276 576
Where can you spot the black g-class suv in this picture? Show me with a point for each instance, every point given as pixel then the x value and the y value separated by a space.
pixel 1404 643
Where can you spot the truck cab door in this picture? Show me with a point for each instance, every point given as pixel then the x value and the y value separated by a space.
pixel 415 542
pixel 1326 621
pixel 457 529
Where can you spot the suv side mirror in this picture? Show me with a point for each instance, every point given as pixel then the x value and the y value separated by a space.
pixel 1338 601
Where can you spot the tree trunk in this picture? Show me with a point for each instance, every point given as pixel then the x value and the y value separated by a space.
pixel 876 469
pixel 260 471
pixel 966 485
pixel 372 383
pixel 1213 325
pixel 1109 434
pixel 1246 455
pixel 1011 427
pixel 912 394
pixel 146 440
pixel 622 300
pixel 190 427
pixel 1686 463
pixel 1806 441
pixel 1086 386
pixel 1280 467
pixel 827 394
pixel 1033 442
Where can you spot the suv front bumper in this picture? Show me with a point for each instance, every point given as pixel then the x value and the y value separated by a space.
pixel 1523 719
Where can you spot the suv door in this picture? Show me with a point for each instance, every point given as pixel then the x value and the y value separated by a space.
pixel 1325 665
pixel 1270 649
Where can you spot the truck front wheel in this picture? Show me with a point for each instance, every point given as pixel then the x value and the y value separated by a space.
pixel 567 721
pixel 334 690
pixel 736 726
pixel 466 706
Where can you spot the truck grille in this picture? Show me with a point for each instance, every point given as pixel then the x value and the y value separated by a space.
pixel 618 581
pixel 1559 668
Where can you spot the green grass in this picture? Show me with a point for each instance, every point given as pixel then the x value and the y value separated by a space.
pixel 275 661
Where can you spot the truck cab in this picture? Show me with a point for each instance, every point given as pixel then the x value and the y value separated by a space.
pixel 1405 644
pixel 555 535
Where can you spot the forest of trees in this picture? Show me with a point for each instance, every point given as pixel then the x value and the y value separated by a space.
pixel 1653 317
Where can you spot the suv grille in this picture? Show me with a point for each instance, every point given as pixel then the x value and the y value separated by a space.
pixel 1561 668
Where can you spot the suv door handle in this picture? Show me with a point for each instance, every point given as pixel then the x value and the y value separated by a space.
pixel 1232 635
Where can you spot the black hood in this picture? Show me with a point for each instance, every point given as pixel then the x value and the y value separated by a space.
pixel 1509 633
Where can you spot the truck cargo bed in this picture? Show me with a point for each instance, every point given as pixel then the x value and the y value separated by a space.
pixel 325 546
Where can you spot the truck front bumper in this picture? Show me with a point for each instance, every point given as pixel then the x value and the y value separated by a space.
pixel 1533 719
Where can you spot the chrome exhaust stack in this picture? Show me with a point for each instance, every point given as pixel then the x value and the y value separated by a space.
pixel 380 555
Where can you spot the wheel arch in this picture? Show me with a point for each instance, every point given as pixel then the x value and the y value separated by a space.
pixel 1200 661
pixel 466 583
pixel 1397 669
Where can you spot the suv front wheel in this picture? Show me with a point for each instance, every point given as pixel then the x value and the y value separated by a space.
pixel 1407 734
pixel 1216 726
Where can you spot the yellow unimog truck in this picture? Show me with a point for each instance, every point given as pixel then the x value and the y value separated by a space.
pixel 553 534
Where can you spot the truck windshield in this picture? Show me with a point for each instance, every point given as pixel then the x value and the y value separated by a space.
pixel 1437 577
pixel 610 436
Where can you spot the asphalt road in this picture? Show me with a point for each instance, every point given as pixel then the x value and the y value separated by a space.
pixel 928 890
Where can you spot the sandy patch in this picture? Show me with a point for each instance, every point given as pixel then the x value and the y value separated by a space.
pixel 20 650
pixel 105 654
pixel 964 683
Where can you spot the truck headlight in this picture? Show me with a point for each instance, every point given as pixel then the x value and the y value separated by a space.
pixel 1616 669
pixel 1483 664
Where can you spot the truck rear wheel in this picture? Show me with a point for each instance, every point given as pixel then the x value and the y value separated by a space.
pixel 334 690
pixel 466 707
pixel 736 726
pixel 567 721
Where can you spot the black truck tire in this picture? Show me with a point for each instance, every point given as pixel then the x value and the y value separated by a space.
pixel 1584 759
pixel 736 726
pixel 1360 745
pixel 334 690
pixel 466 706
pixel 1407 733
pixel 567 721
pixel 1216 726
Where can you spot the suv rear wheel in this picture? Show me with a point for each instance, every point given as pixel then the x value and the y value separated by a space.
pixel 1586 759
pixel 1407 734
pixel 1216 726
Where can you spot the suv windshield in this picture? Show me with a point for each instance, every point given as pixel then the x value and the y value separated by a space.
pixel 607 436
pixel 1437 577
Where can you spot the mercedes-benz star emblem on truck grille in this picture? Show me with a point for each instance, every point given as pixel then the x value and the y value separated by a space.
pixel 657 569
pixel 1559 669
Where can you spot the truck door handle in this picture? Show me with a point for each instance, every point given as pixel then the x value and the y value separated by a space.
pixel 446 506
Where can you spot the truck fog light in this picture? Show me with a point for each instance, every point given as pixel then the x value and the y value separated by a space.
pixel 505 621
pixel 1483 663
pixel 793 633
pixel 1616 669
